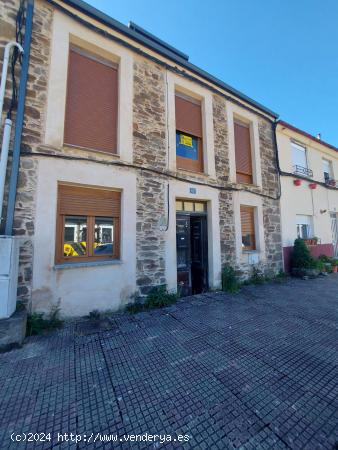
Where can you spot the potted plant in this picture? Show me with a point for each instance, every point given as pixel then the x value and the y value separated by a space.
pixel 302 263
pixel 335 265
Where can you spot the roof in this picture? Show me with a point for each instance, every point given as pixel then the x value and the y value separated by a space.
pixel 307 135
pixel 150 41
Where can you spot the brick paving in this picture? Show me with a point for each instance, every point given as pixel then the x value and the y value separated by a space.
pixel 256 370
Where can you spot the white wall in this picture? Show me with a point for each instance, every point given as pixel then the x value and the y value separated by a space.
pixel 295 200
pixel 80 290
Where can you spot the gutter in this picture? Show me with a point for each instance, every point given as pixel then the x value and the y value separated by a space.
pixel 19 120
pixel 166 51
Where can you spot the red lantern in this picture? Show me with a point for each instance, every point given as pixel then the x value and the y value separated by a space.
pixel 312 186
pixel 297 182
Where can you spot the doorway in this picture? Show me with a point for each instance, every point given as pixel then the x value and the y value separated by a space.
pixel 334 229
pixel 191 247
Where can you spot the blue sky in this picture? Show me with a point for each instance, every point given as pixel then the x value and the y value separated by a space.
pixel 282 53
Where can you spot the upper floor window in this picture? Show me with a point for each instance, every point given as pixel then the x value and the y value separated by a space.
pixel 299 159
pixel 88 224
pixel 243 152
pixel 92 102
pixel 248 228
pixel 327 171
pixel 189 133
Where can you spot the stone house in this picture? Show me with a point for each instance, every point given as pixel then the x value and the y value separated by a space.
pixel 137 168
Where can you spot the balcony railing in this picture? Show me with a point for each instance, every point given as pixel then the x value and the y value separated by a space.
pixel 300 170
pixel 331 182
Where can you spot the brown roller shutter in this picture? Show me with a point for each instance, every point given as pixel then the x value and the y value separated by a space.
pixel 243 153
pixel 248 225
pixel 74 200
pixel 91 106
pixel 189 120
pixel 188 116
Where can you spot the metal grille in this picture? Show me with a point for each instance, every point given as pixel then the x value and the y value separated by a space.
pixel 302 171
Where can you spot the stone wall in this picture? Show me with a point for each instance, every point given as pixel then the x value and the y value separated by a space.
pixel 36 96
pixel 150 150
pixel 270 188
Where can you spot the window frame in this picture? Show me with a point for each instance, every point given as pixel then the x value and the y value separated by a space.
pixel 253 214
pixel 235 112
pixel 60 242
pixel 239 121
pixel 330 167
pixel 308 223
pixel 190 164
pixel 66 33
pixel 298 146
pixel 179 84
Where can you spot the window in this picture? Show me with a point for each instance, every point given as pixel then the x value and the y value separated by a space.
pixel 248 228
pixel 191 206
pixel 303 227
pixel 189 136
pixel 299 159
pixel 92 102
pixel 327 171
pixel 88 224
pixel 243 152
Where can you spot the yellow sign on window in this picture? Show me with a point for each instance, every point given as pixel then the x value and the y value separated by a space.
pixel 186 140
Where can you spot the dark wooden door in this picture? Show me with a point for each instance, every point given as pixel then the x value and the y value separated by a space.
pixel 199 254
pixel 183 254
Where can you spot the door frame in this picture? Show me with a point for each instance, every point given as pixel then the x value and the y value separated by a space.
pixel 206 258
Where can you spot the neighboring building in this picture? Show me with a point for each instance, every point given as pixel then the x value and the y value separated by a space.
pixel 137 167
pixel 309 185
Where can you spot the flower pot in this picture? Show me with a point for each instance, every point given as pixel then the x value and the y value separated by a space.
pixel 335 269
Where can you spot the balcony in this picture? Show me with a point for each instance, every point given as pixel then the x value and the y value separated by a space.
pixel 303 171
pixel 331 182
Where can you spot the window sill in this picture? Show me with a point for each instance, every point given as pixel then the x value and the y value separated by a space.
pixel 74 265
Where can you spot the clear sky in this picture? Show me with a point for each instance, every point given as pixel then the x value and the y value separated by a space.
pixel 281 53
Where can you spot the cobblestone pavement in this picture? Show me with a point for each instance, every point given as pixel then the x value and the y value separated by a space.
pixel 256 370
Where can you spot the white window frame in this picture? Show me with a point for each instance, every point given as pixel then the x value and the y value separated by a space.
pixel 328 163
pixel 66 32
pixel 234 112
pixel 249 199
pixel 304 220
pixel 298 147
pixel 175 83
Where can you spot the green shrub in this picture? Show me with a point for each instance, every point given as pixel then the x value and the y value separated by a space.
pixel 301 257
pixel 158 297
pixel 230 281
pixel 38 323
pixel 257 276
pixel 281 277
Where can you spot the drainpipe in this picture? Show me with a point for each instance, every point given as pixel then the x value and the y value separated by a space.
pixel 8 49
pixel 8 123
pixel 19 119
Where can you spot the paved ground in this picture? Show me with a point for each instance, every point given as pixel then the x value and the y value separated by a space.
pixel 257 370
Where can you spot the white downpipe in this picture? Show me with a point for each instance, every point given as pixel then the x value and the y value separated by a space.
pixel 3 161
pixel 8 48
pixel 8 123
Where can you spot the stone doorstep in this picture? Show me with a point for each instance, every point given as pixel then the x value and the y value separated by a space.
pixel 13 331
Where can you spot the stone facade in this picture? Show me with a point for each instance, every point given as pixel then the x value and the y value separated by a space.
pixel 150 151
pixel 32 136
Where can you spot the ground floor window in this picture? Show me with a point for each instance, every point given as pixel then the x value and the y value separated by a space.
pixel 88 224
pixel 248 228
pixel 304 229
